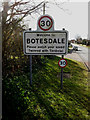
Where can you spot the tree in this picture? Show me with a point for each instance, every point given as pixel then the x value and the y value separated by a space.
pixel 12 17
pixel 78 39
pixel 12 55
pixel 84 42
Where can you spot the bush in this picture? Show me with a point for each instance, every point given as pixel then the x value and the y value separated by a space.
pixel 14 104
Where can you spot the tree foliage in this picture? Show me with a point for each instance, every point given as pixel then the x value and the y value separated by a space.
pixel 14 62
pixel 12 29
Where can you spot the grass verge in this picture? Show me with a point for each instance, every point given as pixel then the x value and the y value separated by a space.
pixel 45 100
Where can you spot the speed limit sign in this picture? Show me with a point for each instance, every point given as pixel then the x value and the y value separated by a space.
pixel 62 63
pixel 45 23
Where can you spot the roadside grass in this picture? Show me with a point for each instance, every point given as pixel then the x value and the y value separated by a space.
pixel 88 46
pixel 45 100
pixel 85 45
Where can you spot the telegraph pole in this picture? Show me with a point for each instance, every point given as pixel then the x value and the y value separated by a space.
pixel 44 9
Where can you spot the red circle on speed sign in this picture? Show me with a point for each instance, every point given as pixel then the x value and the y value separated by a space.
pixel 45 23
pixel 62 63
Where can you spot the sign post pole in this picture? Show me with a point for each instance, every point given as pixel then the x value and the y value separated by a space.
pixel 62 70
pixel 62 75
pixel 30 67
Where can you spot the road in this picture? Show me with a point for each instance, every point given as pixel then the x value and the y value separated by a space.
pixel 84 53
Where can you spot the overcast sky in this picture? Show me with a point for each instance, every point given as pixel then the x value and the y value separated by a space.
pixel 73 17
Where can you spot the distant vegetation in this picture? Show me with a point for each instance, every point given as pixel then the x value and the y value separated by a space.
pixel 81 41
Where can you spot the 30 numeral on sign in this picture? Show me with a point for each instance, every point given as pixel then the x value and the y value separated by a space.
pixel 45 23
pixel 62 62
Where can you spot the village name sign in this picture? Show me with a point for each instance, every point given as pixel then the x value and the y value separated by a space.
pixel 45 40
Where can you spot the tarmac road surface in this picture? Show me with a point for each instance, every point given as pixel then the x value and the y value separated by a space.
pixel 84 53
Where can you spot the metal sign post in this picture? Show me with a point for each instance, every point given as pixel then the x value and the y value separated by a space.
pixel 30 66
pixel 62 74
pixel 30 69
pixel 62 63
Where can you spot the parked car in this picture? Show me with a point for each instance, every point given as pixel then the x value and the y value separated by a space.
pixel 75 48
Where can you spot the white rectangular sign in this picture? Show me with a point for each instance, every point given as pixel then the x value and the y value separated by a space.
pixel 45 43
